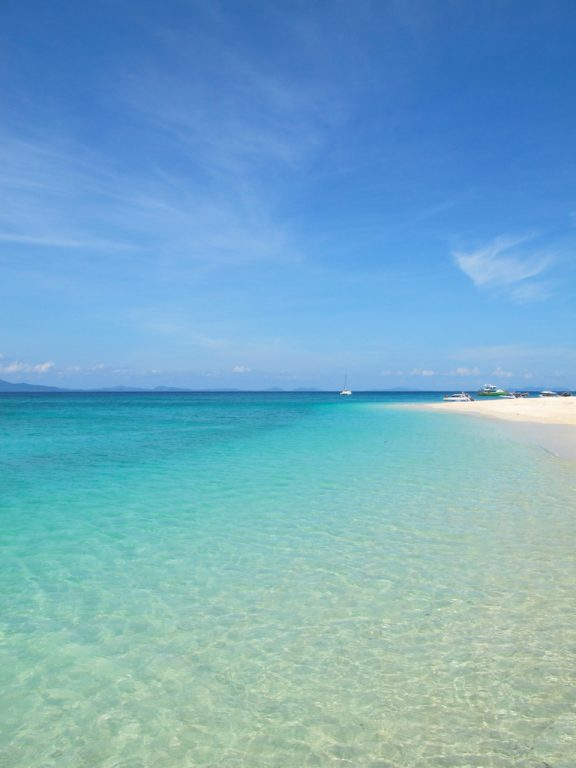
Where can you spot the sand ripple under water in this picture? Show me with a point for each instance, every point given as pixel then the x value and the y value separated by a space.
pixel 268 582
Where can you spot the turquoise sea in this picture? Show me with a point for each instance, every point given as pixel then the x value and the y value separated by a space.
pixel 281 581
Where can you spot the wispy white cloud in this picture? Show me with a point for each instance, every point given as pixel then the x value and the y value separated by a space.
pixel 170 221
pixel 462 371
pixel 241 369
pixel 518 361
pixel 505 266
pixel 17 366
pixel 261 118
pixel 98 370
pixel 533 291
pixel 58 242
pixel 500 372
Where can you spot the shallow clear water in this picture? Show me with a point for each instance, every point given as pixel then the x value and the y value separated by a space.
pixel 278 581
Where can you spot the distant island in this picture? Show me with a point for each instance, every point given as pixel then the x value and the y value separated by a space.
pixel 7 386
pixel 22 386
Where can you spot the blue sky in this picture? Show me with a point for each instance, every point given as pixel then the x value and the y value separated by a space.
pixel 256 194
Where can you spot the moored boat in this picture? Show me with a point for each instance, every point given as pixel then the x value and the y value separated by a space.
pixel 489 390
pixel 345 391
pixel 459 397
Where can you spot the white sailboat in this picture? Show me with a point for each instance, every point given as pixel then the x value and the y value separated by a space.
pixel 345 391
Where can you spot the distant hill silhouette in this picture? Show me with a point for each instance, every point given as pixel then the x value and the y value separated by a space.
pixel 8 386
pixel 123 388
pixel 22 386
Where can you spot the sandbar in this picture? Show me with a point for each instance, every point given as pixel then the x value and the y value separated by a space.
pixel 542 410
pixel 547 421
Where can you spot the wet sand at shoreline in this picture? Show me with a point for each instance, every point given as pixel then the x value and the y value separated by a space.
pixel 548 422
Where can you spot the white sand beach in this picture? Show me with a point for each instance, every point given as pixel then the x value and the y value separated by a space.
pixel 546 421
pixel 542 410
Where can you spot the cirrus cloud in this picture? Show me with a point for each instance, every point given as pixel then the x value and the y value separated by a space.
pixel 502 265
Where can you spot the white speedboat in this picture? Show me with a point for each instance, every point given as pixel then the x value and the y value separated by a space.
pixel 548 393
pixel 459 397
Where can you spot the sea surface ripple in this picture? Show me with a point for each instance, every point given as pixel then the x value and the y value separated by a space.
pixel 281 581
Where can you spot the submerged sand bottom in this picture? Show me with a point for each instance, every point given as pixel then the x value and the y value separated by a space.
pixel 559 439
pixel 549 422
pixel 232 581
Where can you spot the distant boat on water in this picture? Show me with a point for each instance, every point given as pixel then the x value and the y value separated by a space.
pixel 489 390
pixel 345 391
pixel 459 397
